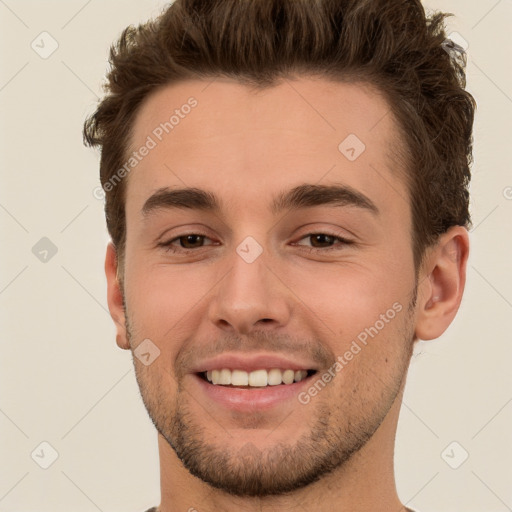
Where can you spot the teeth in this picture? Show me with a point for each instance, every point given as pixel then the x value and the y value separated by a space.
pixel 239 378
pixel 256 378
pixel 225 377
pixel 288 376
pixel 274 377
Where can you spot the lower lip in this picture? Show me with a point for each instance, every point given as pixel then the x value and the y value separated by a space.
pixel 250 399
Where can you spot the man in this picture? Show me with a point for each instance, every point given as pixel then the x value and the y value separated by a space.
pixel 286 192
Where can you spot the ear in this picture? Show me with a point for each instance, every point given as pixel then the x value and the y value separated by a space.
pixel 115 297
pixel 442 279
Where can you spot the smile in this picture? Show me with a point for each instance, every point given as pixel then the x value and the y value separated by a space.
pixel 257 378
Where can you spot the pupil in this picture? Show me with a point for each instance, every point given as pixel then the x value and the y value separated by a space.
pixel 323 239
pixel 187 241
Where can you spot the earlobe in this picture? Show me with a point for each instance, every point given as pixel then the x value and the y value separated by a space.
pixel 115 297
pixel 442 282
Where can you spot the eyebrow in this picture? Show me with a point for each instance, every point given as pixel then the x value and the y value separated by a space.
pixel 302 196
pixel 306 196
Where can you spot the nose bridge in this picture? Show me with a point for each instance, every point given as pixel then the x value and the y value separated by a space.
pixel 250 295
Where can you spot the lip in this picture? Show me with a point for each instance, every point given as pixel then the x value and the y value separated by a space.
pixel 251 399
pixel 251 362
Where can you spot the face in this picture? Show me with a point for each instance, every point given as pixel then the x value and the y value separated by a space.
pixel 266 249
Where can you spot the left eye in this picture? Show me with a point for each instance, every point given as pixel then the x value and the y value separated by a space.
pixel 324 241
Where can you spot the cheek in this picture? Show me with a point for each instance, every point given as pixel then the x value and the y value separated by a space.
pixel 350 298
pixel 371 363
pixel 163 298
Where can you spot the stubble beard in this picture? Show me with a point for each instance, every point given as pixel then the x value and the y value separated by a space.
pixel 337 432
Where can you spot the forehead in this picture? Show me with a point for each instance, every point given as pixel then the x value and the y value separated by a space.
pixel 222 135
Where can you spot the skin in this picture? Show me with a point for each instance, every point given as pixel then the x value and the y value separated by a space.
pixel 334 453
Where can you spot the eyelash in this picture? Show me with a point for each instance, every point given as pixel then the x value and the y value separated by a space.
pixel 167 246
pixel 337 238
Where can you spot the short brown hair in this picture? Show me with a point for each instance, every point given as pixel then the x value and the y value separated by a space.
pixel 390 44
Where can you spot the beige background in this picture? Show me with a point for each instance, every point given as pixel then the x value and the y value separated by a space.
pixel 64 381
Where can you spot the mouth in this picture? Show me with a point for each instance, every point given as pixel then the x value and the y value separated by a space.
pixel 257 390
pixel 249 382
pixel 256 379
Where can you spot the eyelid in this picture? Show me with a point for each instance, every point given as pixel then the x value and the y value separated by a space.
pixel 176 249
pixel 343 241
pixel 169 244
pixel 327 228
pixel 188 229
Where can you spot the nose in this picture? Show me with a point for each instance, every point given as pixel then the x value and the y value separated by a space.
pixel 250 297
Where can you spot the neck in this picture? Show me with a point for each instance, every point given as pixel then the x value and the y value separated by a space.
pixel 365 483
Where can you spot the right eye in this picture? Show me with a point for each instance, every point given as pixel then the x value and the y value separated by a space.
pixel 186 242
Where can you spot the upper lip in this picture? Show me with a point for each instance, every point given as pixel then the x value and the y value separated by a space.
pixel 251 362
